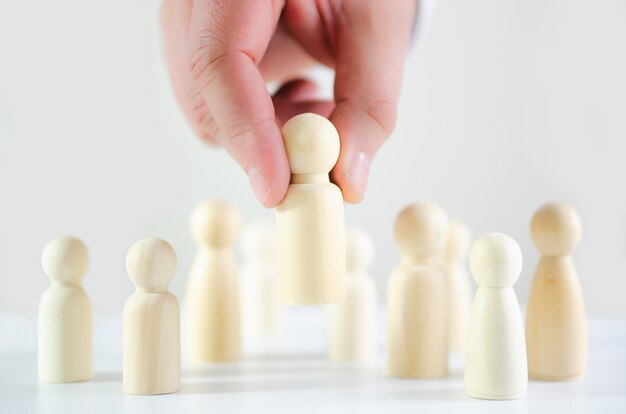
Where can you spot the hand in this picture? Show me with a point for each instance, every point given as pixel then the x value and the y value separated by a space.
pixel 221 53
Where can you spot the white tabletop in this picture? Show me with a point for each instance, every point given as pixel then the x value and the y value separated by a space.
pixel 292 375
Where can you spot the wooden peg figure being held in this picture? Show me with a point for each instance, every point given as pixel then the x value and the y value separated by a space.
pixel 311 250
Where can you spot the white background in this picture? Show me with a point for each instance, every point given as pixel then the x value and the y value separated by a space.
pixel 506 104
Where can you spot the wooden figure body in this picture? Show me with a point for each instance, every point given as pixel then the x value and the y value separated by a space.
pixel 310 219
pixel 213 324
pixel 151 321
pixel 556 324
pixel 65 322
pixel 262 312
pixel 417 296
pixel 495 363
pixel 353 323
pixel 459 290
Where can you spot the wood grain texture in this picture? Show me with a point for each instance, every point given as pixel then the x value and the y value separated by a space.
pixel 213 309
pixel 556 323
pixel 311 246
pixel 417 296
pixel 310 220
pixel 151 321
pixel 417 328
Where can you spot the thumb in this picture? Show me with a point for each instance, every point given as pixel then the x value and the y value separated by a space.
pixel 371 45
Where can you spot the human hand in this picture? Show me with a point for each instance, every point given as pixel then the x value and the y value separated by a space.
pixel 221 53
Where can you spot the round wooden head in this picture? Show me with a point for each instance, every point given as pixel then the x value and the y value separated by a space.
pixel 312 144
pixel 258 241
pixel 65 259
pixel 495 260
pixel 359 250
pixel 215 223
pixel 556 229
pixel 459 241
pixel 421 229
pixel 151 263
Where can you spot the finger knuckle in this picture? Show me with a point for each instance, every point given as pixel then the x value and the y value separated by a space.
pixel 384 114
pixel 238 135
pixel 200 118
pixel 207 50
pixel 249 134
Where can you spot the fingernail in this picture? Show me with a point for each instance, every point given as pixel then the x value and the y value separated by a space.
pixel 259 185
pixel 359 171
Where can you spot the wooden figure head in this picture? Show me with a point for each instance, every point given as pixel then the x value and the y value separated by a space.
pixel 151 263
pixel 495 261
pixel 312 144
pixel 215 224
pixel 65 259
pixel 421 230
pixel 556 229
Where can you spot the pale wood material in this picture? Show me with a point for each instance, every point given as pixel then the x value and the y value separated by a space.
pixel 151 321
pixel 417 296
pixel 262 311
pixel 556 324
pixel 65 323
pixel 310 219
pixel 352 335
pixel 495 363
pixel 213 321
pixel 454 260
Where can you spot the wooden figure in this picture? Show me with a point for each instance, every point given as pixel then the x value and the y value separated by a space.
pixel 454 259
pixel 495 363
pixel 213 323
pixel 556 325
pixel 353 334
pixel 310 219
pixel 417 296
pixel 151 321
pixel 262 312
pixel 64 323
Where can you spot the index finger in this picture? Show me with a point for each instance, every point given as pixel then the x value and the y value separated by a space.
pixel 227 40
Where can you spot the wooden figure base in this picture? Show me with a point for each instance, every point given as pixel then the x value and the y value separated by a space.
pixel 482 396
pixel 541 377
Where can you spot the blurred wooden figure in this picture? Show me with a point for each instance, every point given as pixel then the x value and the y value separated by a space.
pixel 262 312
pixel 417 296
pixel 556 325
pixel 65 322
pixel 495 363
pixel 213 323
pixel 310 219
pixel 151 321
pixel 454 259
pixel 353 323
